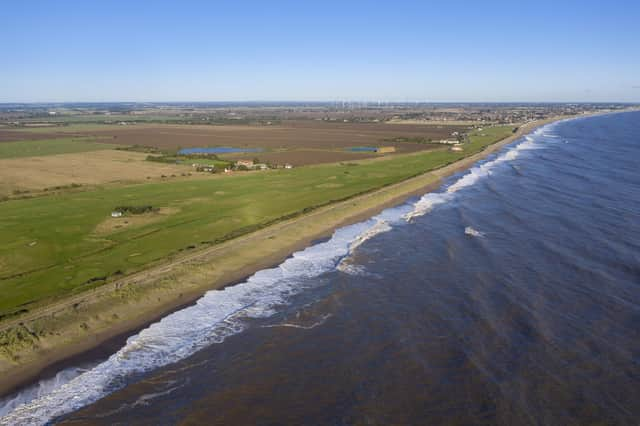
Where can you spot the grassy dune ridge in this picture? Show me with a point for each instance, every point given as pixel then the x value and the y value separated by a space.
pixel 62 244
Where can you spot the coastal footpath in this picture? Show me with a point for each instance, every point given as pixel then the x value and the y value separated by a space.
pixel 53 336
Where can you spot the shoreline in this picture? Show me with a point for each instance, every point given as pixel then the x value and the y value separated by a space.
pixel 90 325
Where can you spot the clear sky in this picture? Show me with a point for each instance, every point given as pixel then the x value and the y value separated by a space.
pixel 98 50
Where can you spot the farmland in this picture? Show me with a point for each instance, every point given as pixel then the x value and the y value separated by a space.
pixel 43 173
pixel 281 142
pixel 37 148
pixel 65 243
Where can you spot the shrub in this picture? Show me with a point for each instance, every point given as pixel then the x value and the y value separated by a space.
pixel 135 209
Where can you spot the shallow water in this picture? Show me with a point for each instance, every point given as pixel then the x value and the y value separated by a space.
pixel 511 296
pixel 362 149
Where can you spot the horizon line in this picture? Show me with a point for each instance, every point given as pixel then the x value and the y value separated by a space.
pixel 314 102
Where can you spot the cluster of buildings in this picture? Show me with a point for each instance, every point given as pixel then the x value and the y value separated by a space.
pixel 251 165
pixel 238 165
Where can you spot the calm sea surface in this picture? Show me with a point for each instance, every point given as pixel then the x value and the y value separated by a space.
pixel 512 296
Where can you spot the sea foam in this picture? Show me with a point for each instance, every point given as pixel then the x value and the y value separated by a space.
pixel 473 232
pixel 433 199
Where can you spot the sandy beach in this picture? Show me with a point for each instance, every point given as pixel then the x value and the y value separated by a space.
pixel 95 323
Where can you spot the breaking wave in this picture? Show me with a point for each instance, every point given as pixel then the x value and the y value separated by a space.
pixel 42 388
pixel 222 313
pixel 433 199
pixel 473 232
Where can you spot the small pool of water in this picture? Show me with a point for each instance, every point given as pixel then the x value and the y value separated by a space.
pixel 363 149
pixel 217 150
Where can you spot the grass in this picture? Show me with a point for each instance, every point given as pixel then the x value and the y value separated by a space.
pixel 489 134
pixel 75 122
pixel 66 128
pixel 51 147
pixel 188 160
pixel 49 246
pixel 73 119
pixel 219 164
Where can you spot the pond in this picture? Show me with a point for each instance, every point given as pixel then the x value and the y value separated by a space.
pixel 363 149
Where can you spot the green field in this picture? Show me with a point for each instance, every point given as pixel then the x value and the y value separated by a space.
pixel 102 118
pixel 65 128
pixel 51 147
pixel 50 246
pixel 489 134
pixel 187 160
pixel 219 164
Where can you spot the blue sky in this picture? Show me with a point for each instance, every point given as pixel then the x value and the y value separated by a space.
pixel 319 50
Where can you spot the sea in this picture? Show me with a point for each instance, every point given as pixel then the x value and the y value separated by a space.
pixel 510 296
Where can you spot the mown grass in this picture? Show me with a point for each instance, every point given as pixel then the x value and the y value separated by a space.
pixel 51 147
pixel 49 246
pixel 489 134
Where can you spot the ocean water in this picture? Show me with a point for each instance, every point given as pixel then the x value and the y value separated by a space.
pixel 510 296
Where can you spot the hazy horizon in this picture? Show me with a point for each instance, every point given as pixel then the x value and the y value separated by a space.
pixel 195 51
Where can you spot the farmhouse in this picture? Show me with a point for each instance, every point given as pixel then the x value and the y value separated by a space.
pixel 246 163
pixel 204 167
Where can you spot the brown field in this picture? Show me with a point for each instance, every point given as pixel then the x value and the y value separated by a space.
pixel 292 135
pixel 87 168
pixel 299 142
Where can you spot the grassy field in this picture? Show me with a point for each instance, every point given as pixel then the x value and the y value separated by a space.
pixel 66 128
pixel 186 160
pixel 51 147
pixel 489 134
pixel 64 243
pixel 220 164
pixel 101 118
pixel 35 174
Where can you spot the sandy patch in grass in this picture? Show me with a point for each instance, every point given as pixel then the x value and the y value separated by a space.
pixel 116 224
